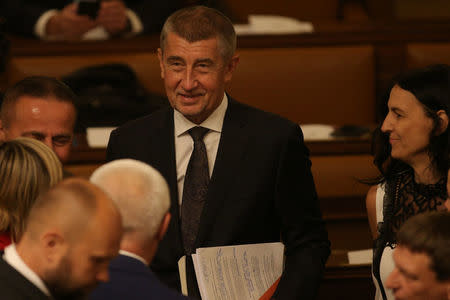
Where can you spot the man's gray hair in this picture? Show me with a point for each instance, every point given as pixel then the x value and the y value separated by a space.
pixel 139 191
pixel 198 23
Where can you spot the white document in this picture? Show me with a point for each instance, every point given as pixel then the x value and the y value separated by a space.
pixel 237 272
pixel 182 271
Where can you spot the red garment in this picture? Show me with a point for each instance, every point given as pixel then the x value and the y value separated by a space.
pixel 5 240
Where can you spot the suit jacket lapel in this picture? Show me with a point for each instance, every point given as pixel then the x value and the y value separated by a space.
pixel 164 160
pixel 18 282
pixel 232 147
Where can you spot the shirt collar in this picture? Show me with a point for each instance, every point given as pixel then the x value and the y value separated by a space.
pixel 133 255
pixel 214 122
pixel 14 260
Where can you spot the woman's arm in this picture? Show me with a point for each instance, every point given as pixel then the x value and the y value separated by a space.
pixel 372 211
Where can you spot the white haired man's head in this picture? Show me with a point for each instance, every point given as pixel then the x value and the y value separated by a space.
pixel 139 191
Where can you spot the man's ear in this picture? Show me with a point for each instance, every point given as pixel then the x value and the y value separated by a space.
pixel 443 121
pixel 54 247
pixel 230 67
pixel 161 62
pixel 163 227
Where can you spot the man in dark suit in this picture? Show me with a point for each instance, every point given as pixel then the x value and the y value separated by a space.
pixel 258 186
pixel 54 19
pixel 72 233
pixel 142 196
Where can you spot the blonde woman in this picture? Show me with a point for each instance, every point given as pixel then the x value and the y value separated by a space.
pixel 27 167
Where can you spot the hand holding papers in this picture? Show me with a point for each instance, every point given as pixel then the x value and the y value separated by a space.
pixel 236 272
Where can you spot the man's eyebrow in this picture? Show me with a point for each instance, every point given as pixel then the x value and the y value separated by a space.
pixel 174 58
pixel 204 60
pixel 62 135
pixel 407 273
pixel 33 133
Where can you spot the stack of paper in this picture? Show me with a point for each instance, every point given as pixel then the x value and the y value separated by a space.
pixel 236 272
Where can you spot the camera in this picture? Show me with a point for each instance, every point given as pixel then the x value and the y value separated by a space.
pixel 89 8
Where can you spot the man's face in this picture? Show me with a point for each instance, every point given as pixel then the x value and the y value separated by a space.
pixel 86 261
pixel 412 277
pixel 195 75
pixel 48 120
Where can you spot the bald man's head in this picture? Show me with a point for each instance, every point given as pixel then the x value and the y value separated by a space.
pixel 72 233
pixel 71 206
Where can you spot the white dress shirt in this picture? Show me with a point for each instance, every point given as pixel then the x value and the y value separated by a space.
pixel 184 145
pixel 14 260
pixel 132 255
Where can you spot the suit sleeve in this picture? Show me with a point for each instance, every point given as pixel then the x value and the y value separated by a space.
pixel 303 230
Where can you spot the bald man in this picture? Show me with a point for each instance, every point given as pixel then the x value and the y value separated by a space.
pixel 42 108
pixel 142 196
pixel 73 232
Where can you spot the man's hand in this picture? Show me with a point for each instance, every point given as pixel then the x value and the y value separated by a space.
pixel 68 25
pixel 112 16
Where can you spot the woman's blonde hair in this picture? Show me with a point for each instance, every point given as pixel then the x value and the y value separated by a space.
pixel 27 167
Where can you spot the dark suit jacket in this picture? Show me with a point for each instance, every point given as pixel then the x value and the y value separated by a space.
pixel 22 15
pixel 261 186
pixel 132 280
pixel 13 286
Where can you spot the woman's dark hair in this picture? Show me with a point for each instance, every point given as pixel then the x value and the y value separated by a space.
pixel 430 86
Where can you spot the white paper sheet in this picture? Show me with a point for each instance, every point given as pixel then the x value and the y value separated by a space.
pixel 237 272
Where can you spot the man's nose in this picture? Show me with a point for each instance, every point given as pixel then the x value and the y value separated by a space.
pixel 189 81
pixel 48 141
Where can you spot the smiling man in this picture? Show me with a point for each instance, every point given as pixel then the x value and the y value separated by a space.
pixel 237 175
pixel 41 108
pixel 422 259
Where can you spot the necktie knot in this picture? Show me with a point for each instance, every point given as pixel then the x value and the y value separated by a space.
pixel 197 133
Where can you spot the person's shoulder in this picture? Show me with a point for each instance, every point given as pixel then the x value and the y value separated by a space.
pixel 14 285
pixel 155 119
pixel 165 292
pixel 261 117
pixel 129 274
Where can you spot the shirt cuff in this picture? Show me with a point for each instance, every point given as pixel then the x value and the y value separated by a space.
pixel 41 24
pixel 135 22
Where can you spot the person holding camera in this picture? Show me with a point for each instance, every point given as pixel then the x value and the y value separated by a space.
pixel 85 19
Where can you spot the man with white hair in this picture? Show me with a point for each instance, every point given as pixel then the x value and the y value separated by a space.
pixel 142 196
